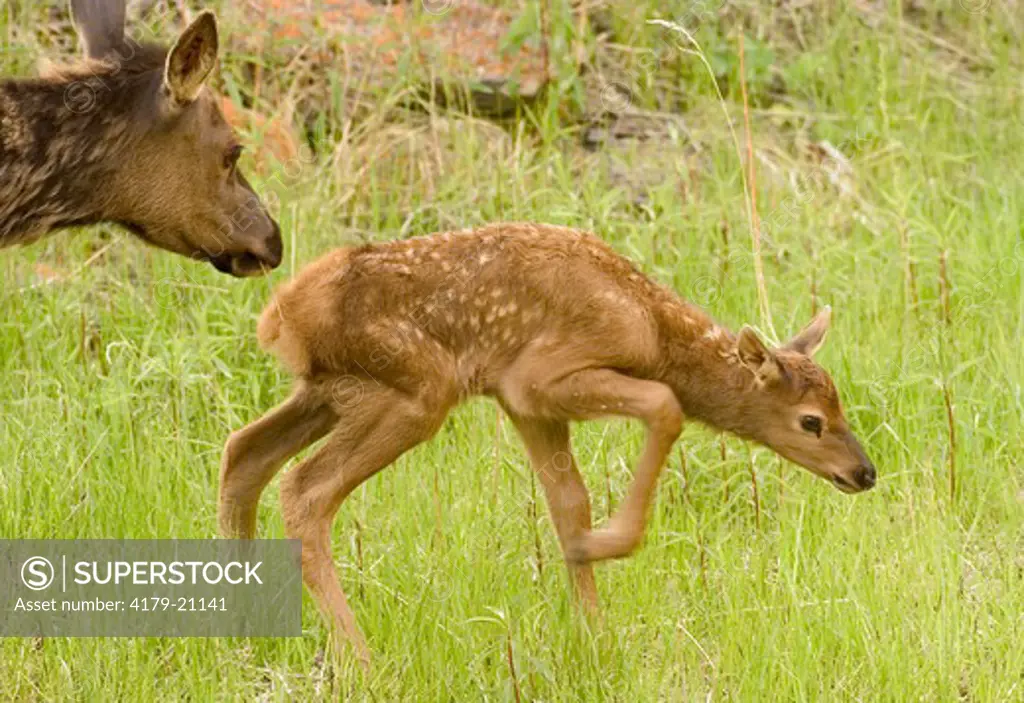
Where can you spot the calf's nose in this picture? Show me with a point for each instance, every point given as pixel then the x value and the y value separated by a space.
pixel 866 476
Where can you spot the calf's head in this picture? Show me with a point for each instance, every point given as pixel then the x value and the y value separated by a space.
pixel 179 186
pixel 794 409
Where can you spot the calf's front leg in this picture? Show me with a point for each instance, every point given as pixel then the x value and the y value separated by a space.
pixel 593 393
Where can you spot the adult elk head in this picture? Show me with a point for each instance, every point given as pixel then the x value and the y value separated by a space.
pixel 179 187
pixel 131 135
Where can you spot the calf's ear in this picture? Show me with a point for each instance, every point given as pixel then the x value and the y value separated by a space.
pixel 812 336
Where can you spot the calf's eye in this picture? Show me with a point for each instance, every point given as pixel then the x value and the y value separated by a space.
pixel 811 423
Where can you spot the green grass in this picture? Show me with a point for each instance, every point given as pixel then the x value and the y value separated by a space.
pixel 121 382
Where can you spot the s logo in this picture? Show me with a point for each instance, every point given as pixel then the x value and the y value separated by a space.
pixel 37 573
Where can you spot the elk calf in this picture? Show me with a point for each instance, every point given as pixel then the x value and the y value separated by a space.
pixel 386 338
pixel 131 135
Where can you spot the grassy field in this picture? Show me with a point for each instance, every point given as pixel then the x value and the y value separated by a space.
pixel 122 371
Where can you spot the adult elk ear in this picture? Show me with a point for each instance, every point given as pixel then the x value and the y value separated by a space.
pixel 812 336
pixel 753 354
pixel 100 25
pixel 191 60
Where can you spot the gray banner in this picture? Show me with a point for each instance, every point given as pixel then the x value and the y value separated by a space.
pixel 150 588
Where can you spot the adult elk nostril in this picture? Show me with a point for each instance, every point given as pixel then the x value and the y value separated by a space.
pixel 271 250
pixel 275 251
pixel 275 247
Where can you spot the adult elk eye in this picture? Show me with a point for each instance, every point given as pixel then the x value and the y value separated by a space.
pixel 232 156
pixel 811 423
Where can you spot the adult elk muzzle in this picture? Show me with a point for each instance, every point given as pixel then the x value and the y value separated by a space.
pixel 179 186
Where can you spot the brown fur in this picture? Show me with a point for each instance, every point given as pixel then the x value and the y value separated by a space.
pixel 119 137
pixel 551 322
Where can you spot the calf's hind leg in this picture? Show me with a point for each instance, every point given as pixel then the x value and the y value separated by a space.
pixel 256 452
pixel 384 425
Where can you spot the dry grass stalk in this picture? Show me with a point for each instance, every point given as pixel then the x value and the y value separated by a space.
pixel 535 519
pixel 753 488
pixel 951 430
pixel 947 315
pixel 684 469
pixel 725 467
pixel 755 219
pixel 909 273
pixel 512 667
